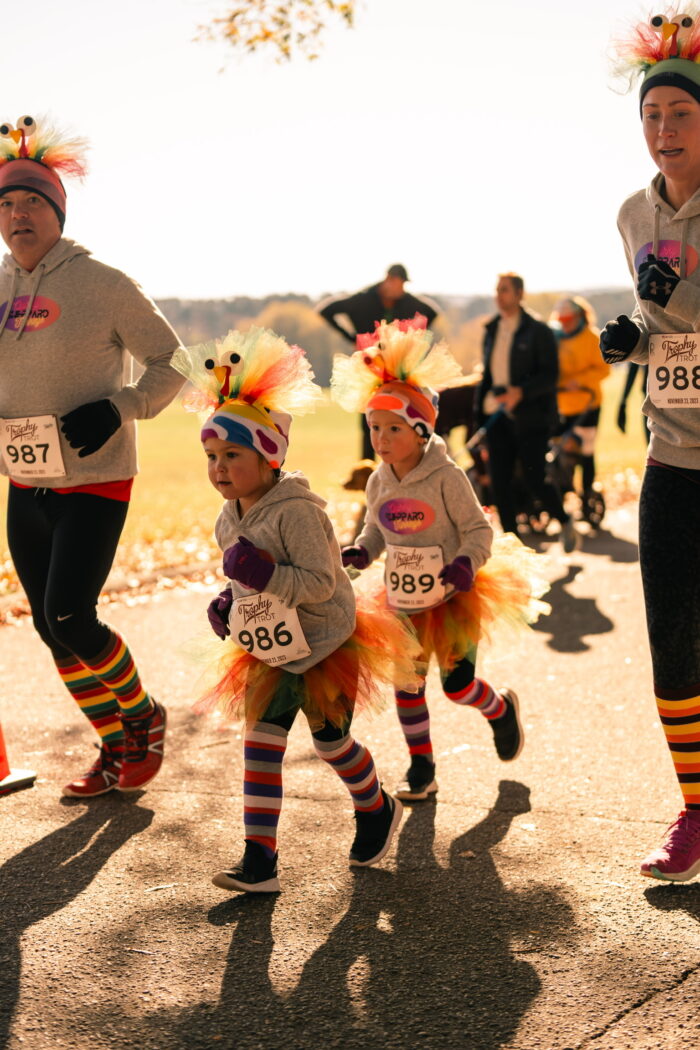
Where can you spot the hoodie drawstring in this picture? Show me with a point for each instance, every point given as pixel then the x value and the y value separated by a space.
pixel 684 241
pixel 38 274
pixel 682 261
pixel 10 300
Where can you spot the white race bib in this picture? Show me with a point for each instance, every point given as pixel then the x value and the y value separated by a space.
pixel 674 370
pixel 31 447
pixel 268 629
pixel 411 577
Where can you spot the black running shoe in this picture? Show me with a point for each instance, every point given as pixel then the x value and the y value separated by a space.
pixel 375 832
pixel 419 781
pixel 508 733
pixel 255 872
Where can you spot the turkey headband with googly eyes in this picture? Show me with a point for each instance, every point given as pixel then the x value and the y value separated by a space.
pixel 253 381
pixel 32 155
pixel 663 51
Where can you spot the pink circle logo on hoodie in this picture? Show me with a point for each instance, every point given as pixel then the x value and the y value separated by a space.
pixel 406 515
pixel 43 313
pixel 670 252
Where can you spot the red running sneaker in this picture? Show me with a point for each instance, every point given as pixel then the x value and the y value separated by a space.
pixel 678 858
pixel 144 740
pixel 102 776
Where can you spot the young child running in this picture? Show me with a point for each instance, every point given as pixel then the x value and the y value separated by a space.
pixel 423 510
pixel 289 607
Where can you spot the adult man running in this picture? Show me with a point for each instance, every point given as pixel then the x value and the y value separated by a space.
pixel 67 437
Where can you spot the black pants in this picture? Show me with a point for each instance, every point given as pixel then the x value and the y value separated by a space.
pixel 669 555
pixel 509 444
pixel 63 547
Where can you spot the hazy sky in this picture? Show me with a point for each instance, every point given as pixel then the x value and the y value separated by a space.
pixel 460 138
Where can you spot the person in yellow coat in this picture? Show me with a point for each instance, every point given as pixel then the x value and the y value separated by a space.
pixel 581 373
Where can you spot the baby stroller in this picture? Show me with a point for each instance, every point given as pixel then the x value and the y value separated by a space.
pixel 566 452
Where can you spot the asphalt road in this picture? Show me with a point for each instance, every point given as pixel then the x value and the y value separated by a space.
pixel 510 914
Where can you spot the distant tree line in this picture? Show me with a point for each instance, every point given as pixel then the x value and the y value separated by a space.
pixel 294 317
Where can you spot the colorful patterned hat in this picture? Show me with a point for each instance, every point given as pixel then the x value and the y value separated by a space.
pixel 392 369
pixel 253 381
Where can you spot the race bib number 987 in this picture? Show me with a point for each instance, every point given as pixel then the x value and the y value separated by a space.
pixel 674 370
pixel 31 447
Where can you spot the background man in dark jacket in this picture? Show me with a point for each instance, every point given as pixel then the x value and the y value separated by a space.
pixel 520 384
pixel 386 301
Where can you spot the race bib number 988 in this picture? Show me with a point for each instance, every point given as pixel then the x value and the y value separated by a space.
pixel 674 370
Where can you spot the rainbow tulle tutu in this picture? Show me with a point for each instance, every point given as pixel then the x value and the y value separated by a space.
pixel 507 594
pixel 381 652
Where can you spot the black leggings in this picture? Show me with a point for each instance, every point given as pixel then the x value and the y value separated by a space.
pixel 669 555
pixel 63 547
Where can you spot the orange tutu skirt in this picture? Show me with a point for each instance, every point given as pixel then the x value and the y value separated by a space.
pixel 382 651
pixel 507 593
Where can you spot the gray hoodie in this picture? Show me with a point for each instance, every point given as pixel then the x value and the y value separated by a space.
pixel 647 223
pixel 290 524
pixel 434 505
pixel 66 340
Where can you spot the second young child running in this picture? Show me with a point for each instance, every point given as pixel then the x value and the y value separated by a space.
pixel 296 642
pixel 423 510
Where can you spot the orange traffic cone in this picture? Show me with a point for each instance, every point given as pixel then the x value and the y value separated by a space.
pixel 12 779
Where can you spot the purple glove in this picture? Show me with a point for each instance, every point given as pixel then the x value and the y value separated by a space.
pixel 244 563
pixel 355 556
pixel 459 573
pixel 218 611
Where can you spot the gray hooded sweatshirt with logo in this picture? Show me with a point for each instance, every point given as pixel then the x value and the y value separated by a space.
pixel 68 331
pixel 645 222
pixel 433 505
pixel 290 524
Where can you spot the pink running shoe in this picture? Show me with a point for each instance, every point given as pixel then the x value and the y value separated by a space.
pixel 678 859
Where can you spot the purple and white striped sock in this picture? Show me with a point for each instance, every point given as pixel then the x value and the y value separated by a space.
pixel 264 749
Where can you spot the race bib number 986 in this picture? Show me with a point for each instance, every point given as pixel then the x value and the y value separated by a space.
pixel 268 629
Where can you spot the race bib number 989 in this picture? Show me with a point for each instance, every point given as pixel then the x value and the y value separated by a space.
pixel 31 448
pixel 268 629
pixel 674 370
pixel 411 577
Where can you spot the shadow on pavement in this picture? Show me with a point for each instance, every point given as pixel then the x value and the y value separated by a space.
pixel 571 618
pixel 602 542
pixel 674 896
pixel 49 874
pixel 422 956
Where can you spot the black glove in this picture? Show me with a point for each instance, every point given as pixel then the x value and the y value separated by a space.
pixel 618 339
pixel 90 426
pixel 656 281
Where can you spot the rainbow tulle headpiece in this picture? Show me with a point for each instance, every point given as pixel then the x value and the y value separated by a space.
pixel 253 381
pixel 395 368
pixel 34 155
pixel 664 49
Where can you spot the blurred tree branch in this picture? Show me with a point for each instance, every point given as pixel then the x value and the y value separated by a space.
pixel 287 28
